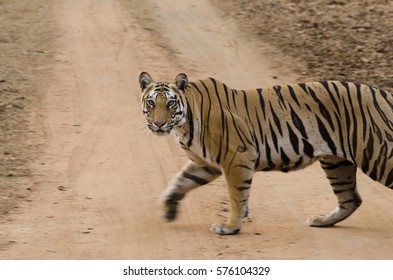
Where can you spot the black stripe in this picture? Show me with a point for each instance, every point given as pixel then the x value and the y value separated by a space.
pixel 322 109
pixel 205 124
pixel 298 123
pixel 340 135
pixel 337 91
pixel 373 173
pixel 293 95
pixel 360 103
pixel 326 136
pixel 218 159
pixel 389 137
pixel 380 111
pixel 342 191
pixel 226 95
pixel 243 166
pixel 331 166
pixel 218 93
pixel 260 130
pixel 354 123
pixel 196 179
pixel 308 149
pixel 303 87
pixel 298 163
pixel 262 102
pixel 273 136
pixel 212 170
pixel 277 89
pixel 368 153
pixel 294 139
pixel 275 119
pixel 376 130
pixel 256 141
pixel 342 183
pixel 190 125
pixel 242 188
pixel 268 154
pixel 389 179
pixel 326 86
pixel 348 201
pixel 226 138
pixel 385 96
pixel 349 132
pixel 234 93
pixel 178 113
pixel 284 158
pixel 247 181
pixel 259 126
pixel 382 157
pixel 246 103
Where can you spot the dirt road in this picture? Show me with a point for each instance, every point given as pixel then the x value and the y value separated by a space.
pixel 99 180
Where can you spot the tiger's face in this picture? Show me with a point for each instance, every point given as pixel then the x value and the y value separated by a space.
pixel 163 104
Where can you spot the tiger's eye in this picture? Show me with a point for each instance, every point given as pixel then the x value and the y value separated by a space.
pixel 170 103
pixel 150 102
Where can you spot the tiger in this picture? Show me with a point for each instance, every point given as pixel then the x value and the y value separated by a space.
pixel 235 133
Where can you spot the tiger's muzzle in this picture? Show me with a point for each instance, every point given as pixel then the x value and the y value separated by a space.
pixel 160 128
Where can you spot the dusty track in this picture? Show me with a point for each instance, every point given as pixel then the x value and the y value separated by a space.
pixel 101 173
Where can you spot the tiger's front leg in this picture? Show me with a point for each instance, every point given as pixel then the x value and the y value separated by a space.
pixel 239 183
pixel 189 178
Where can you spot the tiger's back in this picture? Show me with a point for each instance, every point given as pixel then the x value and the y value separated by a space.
pixel 290 126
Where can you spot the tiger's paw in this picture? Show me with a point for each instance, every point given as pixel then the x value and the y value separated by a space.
pixel 169 211
pixel 337 215
pixel 223 229
pixel 320 221
pixel 170 215
pixel 170 206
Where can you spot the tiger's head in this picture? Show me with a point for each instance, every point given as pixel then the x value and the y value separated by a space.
pixel 163 104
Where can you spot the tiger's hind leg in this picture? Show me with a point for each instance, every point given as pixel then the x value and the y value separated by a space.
pixel 189 178
pixel 342 176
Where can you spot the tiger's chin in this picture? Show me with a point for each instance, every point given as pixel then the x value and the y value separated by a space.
pixel 161 132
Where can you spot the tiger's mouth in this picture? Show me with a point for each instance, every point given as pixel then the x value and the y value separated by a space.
pixel 161 132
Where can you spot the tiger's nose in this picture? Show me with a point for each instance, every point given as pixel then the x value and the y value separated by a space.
pixel 160 124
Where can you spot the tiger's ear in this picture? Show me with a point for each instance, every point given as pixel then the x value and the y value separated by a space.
pixel 144 80
pixel 181 82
